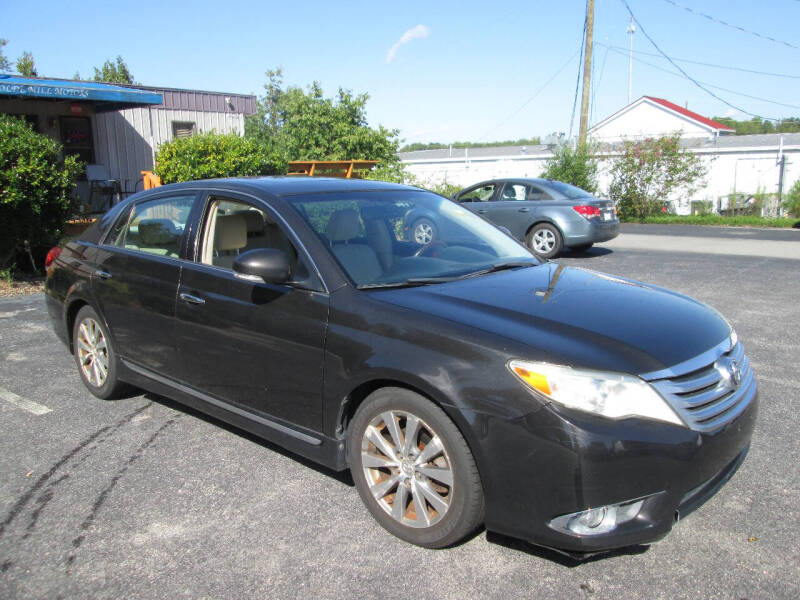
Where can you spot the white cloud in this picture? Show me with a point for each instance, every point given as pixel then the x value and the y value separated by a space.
pixel 415 33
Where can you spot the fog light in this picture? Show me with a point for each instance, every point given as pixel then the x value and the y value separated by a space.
pixel 598 520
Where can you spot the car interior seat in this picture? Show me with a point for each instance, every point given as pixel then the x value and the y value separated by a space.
pixel 359 260
pixel 158 236
pixel 230 237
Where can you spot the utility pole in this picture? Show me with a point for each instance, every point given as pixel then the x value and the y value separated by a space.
pixel 587 72
pixel 631 30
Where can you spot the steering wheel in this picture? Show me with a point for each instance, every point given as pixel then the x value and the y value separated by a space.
pixel 430 246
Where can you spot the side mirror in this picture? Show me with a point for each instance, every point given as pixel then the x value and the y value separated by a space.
pixel 270 264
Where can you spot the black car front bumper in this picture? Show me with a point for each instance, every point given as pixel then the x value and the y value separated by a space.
pixel 553 462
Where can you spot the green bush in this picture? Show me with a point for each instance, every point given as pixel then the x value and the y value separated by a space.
pixel 35 192
pixel 648 171
pixel 792 202
pixel 212 155
pixel 573 165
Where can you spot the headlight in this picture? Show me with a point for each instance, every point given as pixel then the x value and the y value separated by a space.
pixel 611 395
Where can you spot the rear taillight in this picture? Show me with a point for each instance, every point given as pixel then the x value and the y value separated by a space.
pixel 590 212
pixel 51 256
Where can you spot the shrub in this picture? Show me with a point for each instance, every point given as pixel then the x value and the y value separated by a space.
pixel 573 165
pixel 648 171
pixel 35 191
pixel 211 155
pixel 792 202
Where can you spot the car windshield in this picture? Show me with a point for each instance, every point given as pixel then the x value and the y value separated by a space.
pixel 407 237
pixel 570 191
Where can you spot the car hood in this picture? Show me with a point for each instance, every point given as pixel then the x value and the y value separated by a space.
pixel 574 316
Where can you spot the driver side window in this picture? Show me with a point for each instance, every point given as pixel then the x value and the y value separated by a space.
pixel 483 193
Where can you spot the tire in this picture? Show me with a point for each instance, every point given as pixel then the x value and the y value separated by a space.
pixel 383 465
pixel 545 240
pixel 423 231
pixel 581 247
pixel 95 355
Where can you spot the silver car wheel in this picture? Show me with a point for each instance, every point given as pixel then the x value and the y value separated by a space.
pixel 423 233
pixel 544 241
pixel 92 352
pixel 407 468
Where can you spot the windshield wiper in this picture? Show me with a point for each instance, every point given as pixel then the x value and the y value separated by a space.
pixel 502 266
pixel 412 282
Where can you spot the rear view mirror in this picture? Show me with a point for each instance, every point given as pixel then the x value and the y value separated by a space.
pixel 270 264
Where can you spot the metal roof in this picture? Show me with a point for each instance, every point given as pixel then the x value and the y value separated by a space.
pixel 66 89
pixel 691 114
pixel 765 141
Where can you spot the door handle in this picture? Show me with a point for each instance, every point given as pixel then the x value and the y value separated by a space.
pixel 524 209
pixel 189 299
pixel 102 274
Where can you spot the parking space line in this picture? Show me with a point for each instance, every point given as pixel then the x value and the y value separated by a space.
pixel 24 403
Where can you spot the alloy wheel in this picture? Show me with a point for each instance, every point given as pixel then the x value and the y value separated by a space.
pixel 423 233
pixel 544 241
pixel 407 469
pixel 92 352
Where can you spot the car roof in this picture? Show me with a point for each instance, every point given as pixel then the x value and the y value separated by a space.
pixel 285 186
pixel 523 180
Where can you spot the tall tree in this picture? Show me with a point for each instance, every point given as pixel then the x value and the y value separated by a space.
pixel 114 72
pixel 308 126
pixel 25 65
pixel 5 64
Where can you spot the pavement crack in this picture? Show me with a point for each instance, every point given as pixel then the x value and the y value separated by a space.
pixel 43 479
pixel 103 495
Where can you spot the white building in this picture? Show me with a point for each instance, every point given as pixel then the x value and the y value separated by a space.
pixel 655 117
pixel 744 164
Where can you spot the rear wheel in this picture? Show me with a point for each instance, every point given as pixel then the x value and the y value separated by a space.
pixel 423 231
pixel 414 470
pixel 95 355
pixel 545 240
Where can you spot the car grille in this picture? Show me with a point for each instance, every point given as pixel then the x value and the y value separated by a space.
pixel 714 395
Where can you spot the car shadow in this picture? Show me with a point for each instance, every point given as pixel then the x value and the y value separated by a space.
pixel 591 252
pixel 564 560
pixel 342 477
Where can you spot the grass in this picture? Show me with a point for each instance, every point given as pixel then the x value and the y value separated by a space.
pixel 719 220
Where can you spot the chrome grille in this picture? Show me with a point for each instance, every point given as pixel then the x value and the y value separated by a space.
pixel 713 395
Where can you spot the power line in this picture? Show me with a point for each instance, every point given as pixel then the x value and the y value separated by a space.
pixel 731 25
pixel 705 64
pixel 644 62
pixel 580 71
pixel 684 73
pixel 529 100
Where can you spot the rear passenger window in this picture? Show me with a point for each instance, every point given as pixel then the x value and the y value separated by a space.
pixel 156 226
pixel 232 228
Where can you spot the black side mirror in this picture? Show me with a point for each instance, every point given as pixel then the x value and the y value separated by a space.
pixel 270 264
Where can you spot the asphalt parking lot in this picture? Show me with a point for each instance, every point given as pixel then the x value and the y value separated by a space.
pixel 142 498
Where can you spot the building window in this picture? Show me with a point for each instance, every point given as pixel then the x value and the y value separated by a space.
pixel 182 129
pixel 76 135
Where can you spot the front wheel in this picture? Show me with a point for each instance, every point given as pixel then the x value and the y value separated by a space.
pixel 414 470
pixel 95 355
pixel 545 240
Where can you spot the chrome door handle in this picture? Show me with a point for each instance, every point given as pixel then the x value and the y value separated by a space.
pixel 102 274
pixel 524 209
pixel 191 299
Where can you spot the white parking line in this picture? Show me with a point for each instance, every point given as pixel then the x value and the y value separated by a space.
pixel 24 403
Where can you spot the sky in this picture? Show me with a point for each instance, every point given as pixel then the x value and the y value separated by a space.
pixel 437 70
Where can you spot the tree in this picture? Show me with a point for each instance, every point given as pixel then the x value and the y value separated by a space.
pixel 25 65
pixel 648 171
pixel 573 165
pixel 5 64
pixel 114 72
pixel 306 125
pixel 35 190
pixel 211 155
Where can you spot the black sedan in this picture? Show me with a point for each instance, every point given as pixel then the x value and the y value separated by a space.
pixel 463 382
